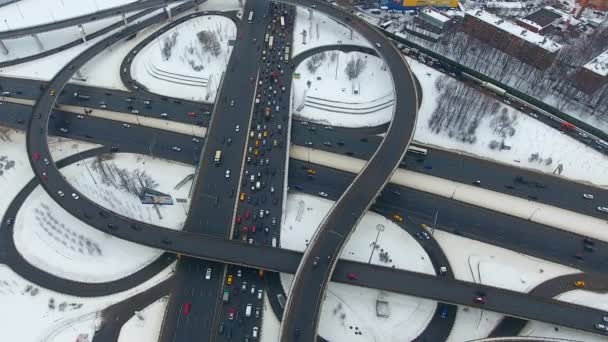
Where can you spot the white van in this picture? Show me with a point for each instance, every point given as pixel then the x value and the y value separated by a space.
pixel 248 310
pixel 274 242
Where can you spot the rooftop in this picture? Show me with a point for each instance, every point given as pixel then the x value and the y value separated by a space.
pixel 543 17
pixel 436 14
pixel 599 64
pixel 512 28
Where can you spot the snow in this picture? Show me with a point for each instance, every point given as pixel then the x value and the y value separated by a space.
pixel 333 99
pixel 305 213
pixel 148 328
pixel 28 314
pixel 431 12
pixel 505 4
pixel 348 309
pixel 167 174
pixel 581 297
pixel 269 331
pixel 321 31
pixel 579 162
pixel 189 71
pixel 512 28
pixel 599 64
pixel 487 264
pixel 26 13
pixel 51 239
pixel 46 68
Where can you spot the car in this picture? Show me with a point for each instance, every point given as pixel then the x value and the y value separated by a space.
pixel 352 276
pixel 237 128
pixel 579 283
pixel 103 106
pixel 80 116
pixel 444 313
pixel 479 298
pixel 605 318
pixel 397 218
pixel 588 196
pixel 252 289
pixel 247 215
pixel 231 313
pixel 9 221
pixel 208 273
pixel 603 209
pixel 600 326
pixel 242 196
pixel 36 156
pixel 187 308
pixel 477 182
pixel 227 173
pixel 45 176
pixel 231 103
pixel 126 125
pixel 534 115
pixel 229 279
pixel 260 294
pixel 244 286
pixel 63 130
pixel 164 115
pixel 60 193
pixel 378 45
pixel 52 92
pixel 176 149
pixel 237 219
pixel 75 196
pixel 254 333
pixel 315 261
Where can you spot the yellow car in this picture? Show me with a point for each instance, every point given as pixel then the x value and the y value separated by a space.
pixel 311 172
pixel 242 196
pixel 397 218
pixel 229 280
pixel 579 283
pixel 52 92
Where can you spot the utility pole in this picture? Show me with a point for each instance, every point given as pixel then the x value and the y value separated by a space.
pixel 434 222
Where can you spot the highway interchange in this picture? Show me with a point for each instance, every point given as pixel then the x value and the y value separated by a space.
pixel 204 238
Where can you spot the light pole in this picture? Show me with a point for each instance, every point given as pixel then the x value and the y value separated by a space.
pixel 338 57
pixel 380 229
pixel 434 222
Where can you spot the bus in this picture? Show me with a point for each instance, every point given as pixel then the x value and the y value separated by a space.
pixel 270 42
pixel 287 54
pixel 218 157
pixel 386 24
pixel 416 150
pixel 250 17
pixel 282 22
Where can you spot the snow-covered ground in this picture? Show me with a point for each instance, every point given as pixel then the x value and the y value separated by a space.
pixel 349 314
pixel 348 309
pixel 324 93
pixel 30 313
pixel 321 31
pixel 87 177
pixel 146 325
pixel 592 299
pixel 270 324
pixel 179 63
pixel 478 262
pixel 51 239
pixel 26 13
pixel 531 136
pixel 304 213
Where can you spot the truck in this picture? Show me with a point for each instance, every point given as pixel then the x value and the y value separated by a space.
pixel 217 159
pixel 226 296
pixel 267 112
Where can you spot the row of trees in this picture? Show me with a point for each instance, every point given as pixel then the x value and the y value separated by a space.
pixel 131 181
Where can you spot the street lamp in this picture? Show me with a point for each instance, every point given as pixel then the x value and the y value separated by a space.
pixel 380 229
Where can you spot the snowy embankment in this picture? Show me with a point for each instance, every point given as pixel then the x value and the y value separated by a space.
pixel 343 89
pixel 31 313
pixel 521 140
pixel 347 309
pixel 145 325
pixel 321 30
pixel 188 60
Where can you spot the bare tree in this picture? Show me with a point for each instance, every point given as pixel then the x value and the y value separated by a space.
pixel 355 67
pixel 168 44
pixel 210 42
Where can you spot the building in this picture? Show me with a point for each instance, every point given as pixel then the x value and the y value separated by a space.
pixel 529 47
pixel 540 20
pixel 413 4
pixel 593 75
pixel 434 20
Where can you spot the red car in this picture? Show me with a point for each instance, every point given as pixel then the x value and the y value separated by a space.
pixel 44 176
pixel 187 308
pixel 479 298
pixel 36 156
pixel 253 229
pixel 352 276
pixel 245 229
pixel 231 313
pixel 193 114
pixel 238 219
pixel 247 215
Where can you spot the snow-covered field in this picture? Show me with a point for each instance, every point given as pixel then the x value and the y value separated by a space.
pixel 29 313
pixel 321 31
pixel 51 239
pixel 531 136
pixel 88 178
pixel 304 213
pixel 326 94
pixel 145 326
pixel 270 324
pixel 482 263
pixel 183 64
pixel 348 309
pixel 349 314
